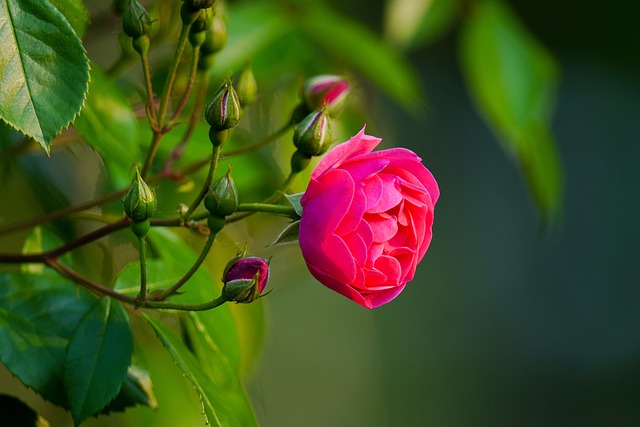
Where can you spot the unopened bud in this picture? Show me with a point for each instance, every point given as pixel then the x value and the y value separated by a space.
pixel 326 89
pixel 222 198
pixel 140 202
pixel 135 20
pixel 198 30
pixel 247 87
pixel 312 136
pixel 245 279
pixel 224 111
pixel 216 36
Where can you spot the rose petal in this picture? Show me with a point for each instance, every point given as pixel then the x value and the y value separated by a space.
pixel 391 194
pixel 390 267
pixel 384 226
pixel 339 286
pixel 356 146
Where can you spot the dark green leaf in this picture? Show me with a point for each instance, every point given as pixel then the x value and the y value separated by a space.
pixel 15 413
pixel 44 71
pixel 513 81
pixel 108 124
pixel 76 14
pixel 363 50
pixel 38 314
pixel 288 235
pixel 294 199
pixel 98 355
pixel 224 404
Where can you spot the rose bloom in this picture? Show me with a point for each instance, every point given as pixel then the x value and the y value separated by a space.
pixel 366 219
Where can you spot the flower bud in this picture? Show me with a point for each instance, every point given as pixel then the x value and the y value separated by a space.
pixel 199 4
pixel 216 38
pixel 312 136
pixel 222 198
pixel 326 89
pixel 198 30
pixel 224 111
pixel 247 87
pixel 135 20
pixel 140 202
pixel 244 279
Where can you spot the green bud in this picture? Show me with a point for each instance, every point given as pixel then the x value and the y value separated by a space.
pixel 135 20
pixel 247 87
pixel 224 111
pixel 140 201
pixel 198 30
pixel 312 136
pixel 216 36
pixel 222 198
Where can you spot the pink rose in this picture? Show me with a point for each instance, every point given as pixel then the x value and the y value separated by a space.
pixel 366 219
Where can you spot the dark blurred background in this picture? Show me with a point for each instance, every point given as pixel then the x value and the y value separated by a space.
pixel 506 323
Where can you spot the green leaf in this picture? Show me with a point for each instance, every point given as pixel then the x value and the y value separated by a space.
pixel 38 314
pixel 76 14
pixel 15 413
pixel 361 49
pixel 173 259
pixel 98 356
pixel 33 244
pixel 108 124
pixel 513 81
pixel 294 199
pixel 223 404
pixel 288 235
pixel 44 71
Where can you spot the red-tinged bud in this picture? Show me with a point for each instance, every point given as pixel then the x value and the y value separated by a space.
pixel 245 278
pixel 312 136
pixel 224 111
pixel 222 198
pixel 326 89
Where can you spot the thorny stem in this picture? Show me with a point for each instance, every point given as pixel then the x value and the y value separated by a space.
pixel 164 101
pixel 42 257
pixel 101 290
pixel 85 282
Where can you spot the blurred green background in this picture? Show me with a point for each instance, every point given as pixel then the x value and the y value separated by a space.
pixel 507 322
